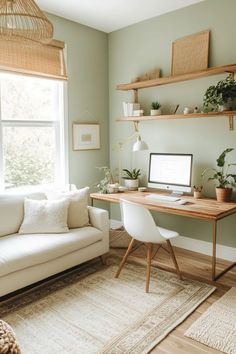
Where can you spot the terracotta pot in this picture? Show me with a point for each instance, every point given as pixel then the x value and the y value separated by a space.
pixel 223 194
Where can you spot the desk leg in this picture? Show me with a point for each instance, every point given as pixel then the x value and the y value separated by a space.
pixel 213 271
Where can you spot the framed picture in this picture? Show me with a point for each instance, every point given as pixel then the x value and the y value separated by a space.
pixel 86 136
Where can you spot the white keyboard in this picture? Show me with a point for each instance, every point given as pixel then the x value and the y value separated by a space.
pixel 162 197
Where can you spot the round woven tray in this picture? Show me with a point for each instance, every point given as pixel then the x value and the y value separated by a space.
pixel 8 344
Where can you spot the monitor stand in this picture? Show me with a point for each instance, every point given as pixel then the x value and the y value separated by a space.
pixel 176 194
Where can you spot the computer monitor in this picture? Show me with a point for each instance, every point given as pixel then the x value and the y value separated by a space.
pixel 170 172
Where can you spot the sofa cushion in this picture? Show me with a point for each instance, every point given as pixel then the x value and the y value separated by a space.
pixel 78 208
pixel 12 211
pixel 22 251
pixel 45 216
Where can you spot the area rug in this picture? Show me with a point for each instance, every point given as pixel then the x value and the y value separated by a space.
pixel 89 311
pixel 217 326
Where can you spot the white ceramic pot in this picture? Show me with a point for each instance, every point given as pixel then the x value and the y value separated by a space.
pixel 155 112
pixel 187 110
pixel 113 188
pixel 225 106
pixel 132 184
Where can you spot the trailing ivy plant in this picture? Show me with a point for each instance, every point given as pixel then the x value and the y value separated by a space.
pixel 222 175
pixel 102 185
pixel 219 95
pixel 131 174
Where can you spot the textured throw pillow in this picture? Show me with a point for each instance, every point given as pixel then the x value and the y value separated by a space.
pixel 78 208
pixel 45 216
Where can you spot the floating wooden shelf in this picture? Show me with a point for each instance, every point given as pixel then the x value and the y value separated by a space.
pixel 178 116
pixel 178 78
pixel 229 114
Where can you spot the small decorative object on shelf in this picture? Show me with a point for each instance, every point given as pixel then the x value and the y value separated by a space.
pixel 176 109
pixel 131 178
pixel 187 110
pixel 223 177
pixel 195 110
pixel 138 113
pixel 219 97
pixel 197 192
pixel 156 111
pixel 130 108
pixel 149 75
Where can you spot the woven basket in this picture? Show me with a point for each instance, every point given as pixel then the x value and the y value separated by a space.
pixel 119 238
pixel 8 344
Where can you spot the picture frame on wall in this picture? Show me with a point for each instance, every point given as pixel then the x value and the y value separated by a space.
pixel 86 136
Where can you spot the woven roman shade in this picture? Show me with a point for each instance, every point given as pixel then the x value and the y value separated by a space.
pixel 46 61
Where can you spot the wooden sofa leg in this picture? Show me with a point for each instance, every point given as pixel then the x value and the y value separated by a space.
pixel 102 259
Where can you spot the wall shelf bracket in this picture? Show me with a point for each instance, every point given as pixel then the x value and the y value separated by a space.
pixel 231 122
pixel 135 95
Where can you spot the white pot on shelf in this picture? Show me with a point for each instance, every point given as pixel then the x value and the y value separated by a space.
pixel 225 106
pixel 155 112
pixel 132 184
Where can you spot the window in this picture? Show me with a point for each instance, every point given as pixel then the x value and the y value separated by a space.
pixel 31 132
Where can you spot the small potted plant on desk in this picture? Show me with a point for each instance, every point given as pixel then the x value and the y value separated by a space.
pixel 223 177
pixel 197 192
pixel 131 178
pixel 156 109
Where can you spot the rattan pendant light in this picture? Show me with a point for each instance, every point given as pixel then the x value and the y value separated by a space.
pixel 23 20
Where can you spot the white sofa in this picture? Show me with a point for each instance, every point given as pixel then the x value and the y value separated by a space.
pixel 26 259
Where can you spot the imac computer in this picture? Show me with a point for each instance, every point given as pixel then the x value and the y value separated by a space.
pixel 170 172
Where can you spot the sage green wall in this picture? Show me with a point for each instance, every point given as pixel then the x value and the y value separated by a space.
pixel 146 45
pixel 87 68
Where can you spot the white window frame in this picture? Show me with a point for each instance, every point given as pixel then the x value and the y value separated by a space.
pixel 61 137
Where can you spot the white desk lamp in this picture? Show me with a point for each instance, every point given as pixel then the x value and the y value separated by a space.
pixel 139 145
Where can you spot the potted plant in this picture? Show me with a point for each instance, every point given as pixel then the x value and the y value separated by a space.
pixel 219 97
pixel 223 177
pixel 156 111
pixel 131 178
pixel 197 192
pixel 103 185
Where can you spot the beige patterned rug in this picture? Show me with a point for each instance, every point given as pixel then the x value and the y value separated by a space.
pixel 217 326
pixel 89 311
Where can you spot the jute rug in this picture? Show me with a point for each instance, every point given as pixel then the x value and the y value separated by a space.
pixel 89 311
pixel 217 326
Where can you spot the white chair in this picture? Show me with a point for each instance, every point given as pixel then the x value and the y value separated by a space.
pixel 140 225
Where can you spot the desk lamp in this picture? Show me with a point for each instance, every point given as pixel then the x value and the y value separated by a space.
pixel 139 145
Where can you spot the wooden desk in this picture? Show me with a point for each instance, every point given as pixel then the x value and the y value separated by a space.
pixel 205 209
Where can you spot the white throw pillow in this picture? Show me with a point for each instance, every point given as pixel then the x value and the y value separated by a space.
pixel 78 208
pixel 45 216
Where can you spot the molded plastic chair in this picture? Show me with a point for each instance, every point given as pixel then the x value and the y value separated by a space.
pixel 140 225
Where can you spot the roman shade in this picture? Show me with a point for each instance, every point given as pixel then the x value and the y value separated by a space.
pixel 46 61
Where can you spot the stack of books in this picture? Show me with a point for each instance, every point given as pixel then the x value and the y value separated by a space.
pixel 132 109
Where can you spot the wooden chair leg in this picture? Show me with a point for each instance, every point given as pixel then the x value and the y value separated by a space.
pixel 174 259
pixel 125 258
pixel 149 259
pixel 102 259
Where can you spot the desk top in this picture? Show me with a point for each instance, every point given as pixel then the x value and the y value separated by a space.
pixel 204 208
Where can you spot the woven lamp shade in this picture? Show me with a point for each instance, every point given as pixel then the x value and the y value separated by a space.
pixel 23 20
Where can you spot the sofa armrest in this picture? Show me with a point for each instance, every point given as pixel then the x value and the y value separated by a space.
pixel 99 218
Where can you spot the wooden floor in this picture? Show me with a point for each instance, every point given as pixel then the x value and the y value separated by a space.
pixel 194 266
